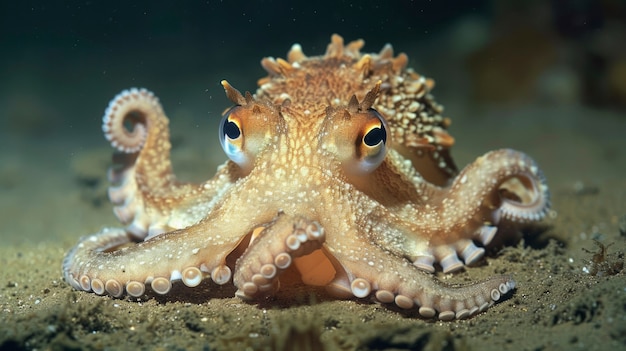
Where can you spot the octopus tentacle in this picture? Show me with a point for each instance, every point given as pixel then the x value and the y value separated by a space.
pixel 142 110
pixel 144 190
pixel 147 147
pixel 502 183
pixel 362 275
pixel 258 269
pixel 440 227
pixel 151 212
pixel 104 259
pixel 98 264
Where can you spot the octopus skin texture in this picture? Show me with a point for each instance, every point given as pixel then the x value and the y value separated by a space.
pixel 339 169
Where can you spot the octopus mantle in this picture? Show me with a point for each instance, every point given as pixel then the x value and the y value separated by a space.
pixel 339 170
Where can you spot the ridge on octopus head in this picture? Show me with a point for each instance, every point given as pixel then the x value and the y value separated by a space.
pixel 339 172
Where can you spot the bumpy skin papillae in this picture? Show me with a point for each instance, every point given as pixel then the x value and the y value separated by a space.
pixel 312 184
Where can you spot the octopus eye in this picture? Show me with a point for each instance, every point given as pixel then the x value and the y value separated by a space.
pixel 231 137
pixel 371 146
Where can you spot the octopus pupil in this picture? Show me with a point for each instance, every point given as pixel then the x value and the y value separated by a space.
pixel 231 129
pixel 375 136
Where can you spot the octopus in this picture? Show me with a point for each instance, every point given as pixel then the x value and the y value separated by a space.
pixel 339 170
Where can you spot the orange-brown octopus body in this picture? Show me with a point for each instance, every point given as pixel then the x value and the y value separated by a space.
pixel 339 167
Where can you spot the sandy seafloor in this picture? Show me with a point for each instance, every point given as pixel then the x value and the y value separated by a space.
pixel 53 190
pixel 557 306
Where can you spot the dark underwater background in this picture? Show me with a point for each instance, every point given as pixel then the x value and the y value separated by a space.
pixel 544 77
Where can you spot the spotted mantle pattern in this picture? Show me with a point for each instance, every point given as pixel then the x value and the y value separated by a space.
pixel 339 170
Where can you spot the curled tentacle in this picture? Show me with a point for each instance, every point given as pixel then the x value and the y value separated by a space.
pixel 137 107
pixel 502 184
pixel 141 110
pixel 134 122
pixel 147 196
pixel 506 183
pixel 288 238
